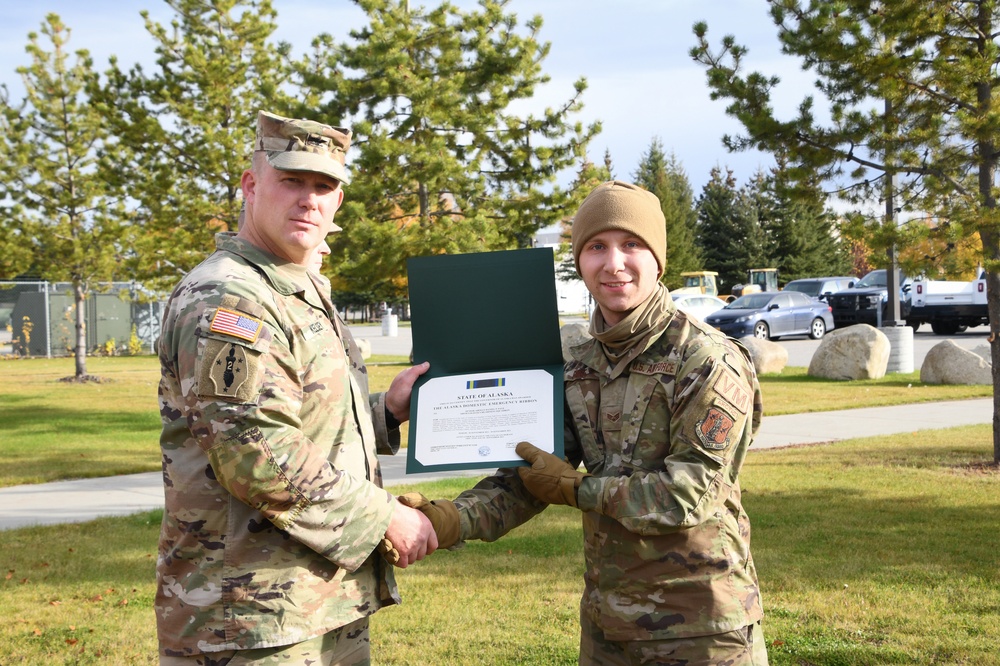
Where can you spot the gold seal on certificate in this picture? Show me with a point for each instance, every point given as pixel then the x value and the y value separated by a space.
pixel 489 325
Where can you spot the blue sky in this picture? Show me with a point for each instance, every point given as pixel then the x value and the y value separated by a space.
pixel 633 53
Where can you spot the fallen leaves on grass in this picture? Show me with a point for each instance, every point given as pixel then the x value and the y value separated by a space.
pixel 83 379
pixel 982 468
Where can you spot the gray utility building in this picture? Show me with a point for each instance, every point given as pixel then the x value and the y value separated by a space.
pixel 42 320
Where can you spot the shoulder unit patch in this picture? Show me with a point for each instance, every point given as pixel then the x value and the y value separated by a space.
pixel 714 429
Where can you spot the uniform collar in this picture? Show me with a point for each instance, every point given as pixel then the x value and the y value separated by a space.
pixel 286 278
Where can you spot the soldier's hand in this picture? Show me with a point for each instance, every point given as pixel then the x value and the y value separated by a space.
pixel 550 479
pixel 397 398
pixel 411 536
pixel 443 515
pixel 388 551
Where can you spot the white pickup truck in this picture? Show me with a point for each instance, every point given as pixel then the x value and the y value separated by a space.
pixel 948 306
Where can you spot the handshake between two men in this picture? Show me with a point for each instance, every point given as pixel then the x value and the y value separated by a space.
pixel 549 478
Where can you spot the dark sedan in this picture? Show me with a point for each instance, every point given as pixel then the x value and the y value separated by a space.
pixel 772 315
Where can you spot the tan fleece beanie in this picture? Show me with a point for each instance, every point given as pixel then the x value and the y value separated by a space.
pixel 615 205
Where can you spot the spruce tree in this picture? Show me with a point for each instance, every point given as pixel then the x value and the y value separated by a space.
pixel 54 183
pixel 912 93
pixel 188 126
pixel 444 162
pixel 798 230
pixel 729 235
pixel 665 177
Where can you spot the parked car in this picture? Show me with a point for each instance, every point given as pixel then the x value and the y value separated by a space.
pixel 867 302
pixel 698 305
pixel 771 316
pixel 821 287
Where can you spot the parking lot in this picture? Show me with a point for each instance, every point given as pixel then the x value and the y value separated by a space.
pixel 800 350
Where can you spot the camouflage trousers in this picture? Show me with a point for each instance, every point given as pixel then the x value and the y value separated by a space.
pixel 743 647
pixel 345 646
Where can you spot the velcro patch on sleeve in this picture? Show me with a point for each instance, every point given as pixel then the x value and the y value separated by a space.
pixel 229 371
pixel 715 429
pixel 236 324
pixel 733 390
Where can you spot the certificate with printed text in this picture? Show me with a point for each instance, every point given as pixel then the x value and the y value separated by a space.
pixel 489 325
pixel 480 418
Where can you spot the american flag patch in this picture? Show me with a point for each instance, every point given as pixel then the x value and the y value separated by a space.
pixel 233 323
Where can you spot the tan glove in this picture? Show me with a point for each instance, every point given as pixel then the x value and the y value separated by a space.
pixel 443 515
pixel 550 479
pixel 388 551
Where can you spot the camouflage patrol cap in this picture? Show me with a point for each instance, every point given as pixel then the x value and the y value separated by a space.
pixel 303 145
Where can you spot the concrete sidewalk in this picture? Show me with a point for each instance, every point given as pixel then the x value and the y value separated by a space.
pixel 85 499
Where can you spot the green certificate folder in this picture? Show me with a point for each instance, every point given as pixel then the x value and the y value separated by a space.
pixel 489 325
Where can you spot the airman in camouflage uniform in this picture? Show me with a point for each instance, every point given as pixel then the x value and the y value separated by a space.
pixel 660 410
pixel 274 508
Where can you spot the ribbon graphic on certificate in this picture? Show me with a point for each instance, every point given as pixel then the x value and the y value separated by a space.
pixel 489 325
pixel 480 418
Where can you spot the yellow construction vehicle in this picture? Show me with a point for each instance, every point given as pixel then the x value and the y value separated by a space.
pixel 758 280
pixel 705 282
pixel 699 282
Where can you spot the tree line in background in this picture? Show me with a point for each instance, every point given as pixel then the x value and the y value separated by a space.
pixel 769 222
pixel 127 174
pixel 904 112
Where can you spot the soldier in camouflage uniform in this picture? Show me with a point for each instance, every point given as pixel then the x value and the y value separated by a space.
pixel 274 507
pixel 660 409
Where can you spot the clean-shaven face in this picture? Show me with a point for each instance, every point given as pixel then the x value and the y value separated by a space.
pixel 620 272
pixel 289 212
pixel 319 254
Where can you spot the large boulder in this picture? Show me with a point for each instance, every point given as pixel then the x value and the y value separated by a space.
pixel 768 357
pixel 855 352
pixel 985 352
pixel 947 363
pixel 573 334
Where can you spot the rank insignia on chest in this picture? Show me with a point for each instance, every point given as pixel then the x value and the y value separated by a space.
pixel 714 429
pixel 613 417
pixel 236 324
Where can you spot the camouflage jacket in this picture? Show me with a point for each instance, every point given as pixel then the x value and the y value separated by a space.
pixel 273 499
pixel 667 542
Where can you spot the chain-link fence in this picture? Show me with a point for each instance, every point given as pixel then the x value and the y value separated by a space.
pixel 39 318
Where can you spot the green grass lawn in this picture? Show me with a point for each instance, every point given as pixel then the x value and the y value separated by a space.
pixel 871 551
pixel 56 430
pixel 793 392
